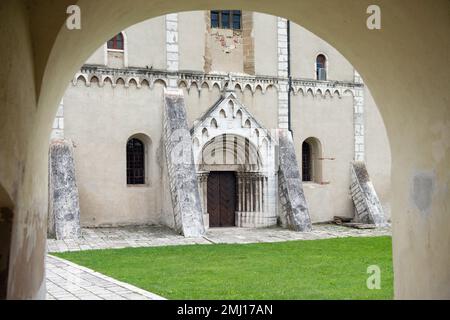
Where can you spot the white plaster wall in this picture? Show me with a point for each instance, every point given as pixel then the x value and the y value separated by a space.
pixel 378 152
pixel 227 56
pixel 305 46
pixel 265 40
pixel 263 106
pixel 198 102
pixel 191 36
pixel 98 57
pixel 146 44
pixel 331 121
pixel 99 121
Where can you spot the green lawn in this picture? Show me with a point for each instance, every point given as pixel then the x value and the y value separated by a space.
pixel 319 269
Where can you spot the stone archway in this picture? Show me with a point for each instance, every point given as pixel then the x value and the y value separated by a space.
pixel 255 180
pixel 42 56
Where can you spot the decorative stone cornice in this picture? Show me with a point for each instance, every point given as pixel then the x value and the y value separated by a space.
pixel 142 77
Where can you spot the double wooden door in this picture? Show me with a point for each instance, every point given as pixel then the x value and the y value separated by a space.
pixel 221 198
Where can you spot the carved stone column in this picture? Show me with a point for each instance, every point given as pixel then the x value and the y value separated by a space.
pixel 202 178
pixel 250 193
pixel 238 192
pixel 257 193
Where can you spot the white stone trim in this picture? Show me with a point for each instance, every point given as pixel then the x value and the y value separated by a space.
pixel 283 56
pixel 326 65
pixel 58 123
pixel 172 47
pixel 358 119
pixel 125 50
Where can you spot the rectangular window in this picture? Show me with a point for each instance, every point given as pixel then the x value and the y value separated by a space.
pixel 226 19
pixel 237 19
pixel 214 19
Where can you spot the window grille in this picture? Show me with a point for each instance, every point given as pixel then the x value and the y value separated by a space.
pixel 117 43
pixel 306 162
pixel 226 19
pixel 135 162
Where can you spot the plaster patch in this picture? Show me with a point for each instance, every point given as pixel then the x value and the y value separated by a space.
pixel 440 145
pixel 422 191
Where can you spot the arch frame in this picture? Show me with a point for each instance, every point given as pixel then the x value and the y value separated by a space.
pixel 106 50
pixel 148 158
pixel 316 159
pixel 415 111
pixel 322 53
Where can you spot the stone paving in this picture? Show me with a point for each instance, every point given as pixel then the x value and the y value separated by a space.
pixel 69 281
pixel 151 236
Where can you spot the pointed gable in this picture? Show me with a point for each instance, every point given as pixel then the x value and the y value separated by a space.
pixel 229 115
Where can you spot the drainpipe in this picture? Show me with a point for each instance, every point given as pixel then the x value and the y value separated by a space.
pixel 289 74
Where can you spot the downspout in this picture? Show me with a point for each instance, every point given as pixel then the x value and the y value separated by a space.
pixel 289 74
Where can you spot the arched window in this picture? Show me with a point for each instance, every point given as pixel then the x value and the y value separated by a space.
pixel 117 43
pixel 226 19
pixel 135 162
pixel 321 67
pixel 306 162
pixel 312 160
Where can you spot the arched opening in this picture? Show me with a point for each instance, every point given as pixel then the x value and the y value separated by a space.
pixel 233 185
pixel 216 153
pixel 306 162
pixel 312 160
pixel 116 51
pixel 135 162
pixel 321 67
pixel 116 43
pixel 405 106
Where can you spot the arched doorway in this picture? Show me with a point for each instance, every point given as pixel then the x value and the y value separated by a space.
pixel 234 183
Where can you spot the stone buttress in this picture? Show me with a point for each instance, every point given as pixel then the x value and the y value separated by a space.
pixel 188 215
pixel 64 204
pixel 293 206
pixel 368 208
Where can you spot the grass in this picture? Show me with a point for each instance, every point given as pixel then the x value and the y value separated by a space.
pixel 319 269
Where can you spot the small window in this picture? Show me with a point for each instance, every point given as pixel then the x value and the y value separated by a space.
pixel 226 19
pixel 306 162
pixel 135 162
pixel 215 19
pixel 321 67
pixel 117 43
pixel 312 160
pixel 237 17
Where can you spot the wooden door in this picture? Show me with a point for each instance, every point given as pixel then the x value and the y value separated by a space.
pixel 221 199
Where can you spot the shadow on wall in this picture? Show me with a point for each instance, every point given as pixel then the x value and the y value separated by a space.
pixel 6 218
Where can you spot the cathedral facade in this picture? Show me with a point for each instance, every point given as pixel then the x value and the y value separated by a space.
pixel 245 79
